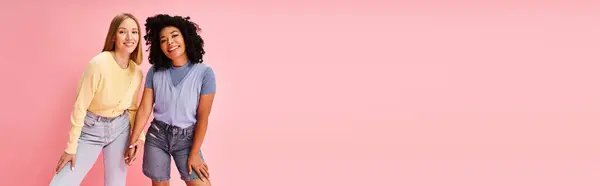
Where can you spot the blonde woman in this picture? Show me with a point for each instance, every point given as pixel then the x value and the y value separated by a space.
pixel 105 108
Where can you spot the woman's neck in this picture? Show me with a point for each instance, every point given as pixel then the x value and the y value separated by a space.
pixel 179 62
pixel 122 58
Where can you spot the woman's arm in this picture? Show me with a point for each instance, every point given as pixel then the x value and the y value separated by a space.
pixel 133 108
pixel 141 118
pixel 204 108
pixel 144 110
pixel 143 113
pixel 88 85
pixel 136 138
pixel 207 95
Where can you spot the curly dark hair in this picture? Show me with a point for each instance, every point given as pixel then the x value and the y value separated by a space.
pixel 194 44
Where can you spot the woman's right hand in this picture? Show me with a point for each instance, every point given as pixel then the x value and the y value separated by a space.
pixel 64 159
pixel 132 152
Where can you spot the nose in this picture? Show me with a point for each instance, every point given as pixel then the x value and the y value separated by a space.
pixel 128 37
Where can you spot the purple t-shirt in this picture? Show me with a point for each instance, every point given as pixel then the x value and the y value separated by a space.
pixel 177 91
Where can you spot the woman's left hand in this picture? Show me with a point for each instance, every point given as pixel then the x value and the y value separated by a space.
pixel 195 163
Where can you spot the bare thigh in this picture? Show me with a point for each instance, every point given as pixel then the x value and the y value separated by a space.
pixel 198 183
pixel 162 183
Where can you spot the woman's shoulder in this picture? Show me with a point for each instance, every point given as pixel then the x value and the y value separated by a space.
pixel 97 62
pixel 137 69
pixel 101 57
pixel 151 70
pixel 202 66
pixel 100 60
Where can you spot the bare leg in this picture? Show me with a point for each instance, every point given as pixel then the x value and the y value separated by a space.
pixel 162 183
pixel 206 182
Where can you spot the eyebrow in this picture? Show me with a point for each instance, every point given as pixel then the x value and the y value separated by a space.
pixel 172 32
pixel 126 28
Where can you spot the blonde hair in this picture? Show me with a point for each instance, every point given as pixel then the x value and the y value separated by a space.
pixel 109 43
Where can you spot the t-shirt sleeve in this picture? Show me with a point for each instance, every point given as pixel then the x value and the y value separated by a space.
pixel 149 78
pixel 209 85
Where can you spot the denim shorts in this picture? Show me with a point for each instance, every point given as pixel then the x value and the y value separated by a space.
pixel 164 141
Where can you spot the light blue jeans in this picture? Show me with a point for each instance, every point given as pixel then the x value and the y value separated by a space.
pixel 99 134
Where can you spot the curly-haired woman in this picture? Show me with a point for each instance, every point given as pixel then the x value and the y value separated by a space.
pixel 179 90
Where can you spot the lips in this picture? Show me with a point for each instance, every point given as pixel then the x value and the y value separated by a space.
pixel 129 44
pixel 173 48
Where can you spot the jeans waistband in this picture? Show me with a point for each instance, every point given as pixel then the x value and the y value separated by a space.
pixel 97 117
pixel 171 128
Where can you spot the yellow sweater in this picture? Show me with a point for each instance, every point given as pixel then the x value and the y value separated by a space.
pixel 107 90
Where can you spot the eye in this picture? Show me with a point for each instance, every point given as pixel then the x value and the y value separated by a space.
pixel 162 41
pixel 135 32
pixel 175 35
pixel 121 32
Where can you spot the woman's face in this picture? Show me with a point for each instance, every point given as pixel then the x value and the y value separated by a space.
pixel 172 43
pixel 127 36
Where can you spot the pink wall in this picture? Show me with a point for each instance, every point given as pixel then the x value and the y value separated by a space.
pixel 338 93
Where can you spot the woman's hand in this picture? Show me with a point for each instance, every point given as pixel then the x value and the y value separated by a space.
pixel 64 159
pixel 133 150
pixel 195 163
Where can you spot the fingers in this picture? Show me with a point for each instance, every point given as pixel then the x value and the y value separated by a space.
pixel 60 165
pixel 126 157
pixel 206 170
pixel 73 164
pixel 134 155
pixel 133 145
pixel 204 173
pixel 63 161
pixel 200 171
pixel 189 168
pixel 131 154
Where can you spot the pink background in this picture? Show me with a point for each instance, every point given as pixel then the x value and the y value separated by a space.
pixel 336 92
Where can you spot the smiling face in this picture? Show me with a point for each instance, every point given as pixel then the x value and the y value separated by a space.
pixel 127 36
pixel 172 43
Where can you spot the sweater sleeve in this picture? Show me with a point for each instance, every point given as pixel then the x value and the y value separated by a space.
pixel 88 84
